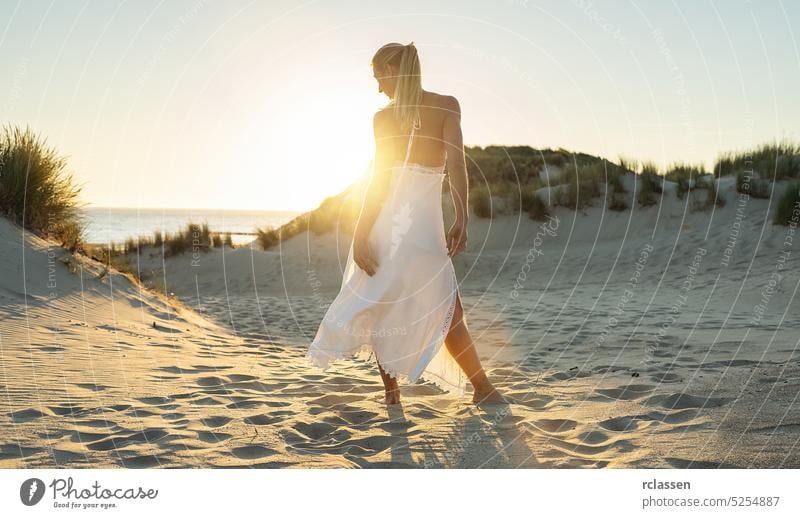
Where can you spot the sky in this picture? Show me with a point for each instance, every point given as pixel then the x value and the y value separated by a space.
pixel 268 105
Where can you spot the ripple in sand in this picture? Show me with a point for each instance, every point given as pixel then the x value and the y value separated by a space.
pixel 143 461
pixel 681 400
pixel 23 416
pixel 66 409
pixel 625 393
pixel 146 436
pixel 78 436
pixel 91 386
pixel 314 431
pixel 697 464
pixel 594 437
pixel 665 377
pixel 207 401
pixel 213 437
pixel 210 381
pixel 216 421
pixel 252 452
pixel 334 399
pixel 16 451
pixel 97 423
pixel 155 400
pixel 263 419
pixel 622 424
pixel 555 425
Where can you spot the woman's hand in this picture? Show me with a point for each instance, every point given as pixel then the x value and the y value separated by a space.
pixel 363 255
pixel 457 238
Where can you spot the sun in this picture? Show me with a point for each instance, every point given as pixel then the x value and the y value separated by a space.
pixel 297 153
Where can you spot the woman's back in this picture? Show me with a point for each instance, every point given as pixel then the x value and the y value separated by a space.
pixel 429 148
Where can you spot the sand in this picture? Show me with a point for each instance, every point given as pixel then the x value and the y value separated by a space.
pixel 630 339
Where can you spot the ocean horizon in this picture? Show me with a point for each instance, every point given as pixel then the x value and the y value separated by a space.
pixel 105 225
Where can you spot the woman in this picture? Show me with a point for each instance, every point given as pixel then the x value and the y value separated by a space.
pixel 399 298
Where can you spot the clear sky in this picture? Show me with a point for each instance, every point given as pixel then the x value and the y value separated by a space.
pixel 268 105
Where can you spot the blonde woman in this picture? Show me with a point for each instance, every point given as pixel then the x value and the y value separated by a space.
pixel 399 299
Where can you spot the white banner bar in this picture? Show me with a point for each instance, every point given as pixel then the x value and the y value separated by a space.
pixel 350 493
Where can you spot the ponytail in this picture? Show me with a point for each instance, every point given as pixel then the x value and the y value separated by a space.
pixel 408 89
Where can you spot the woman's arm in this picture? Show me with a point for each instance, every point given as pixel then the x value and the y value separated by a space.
pixel 457 172
pixel 373 198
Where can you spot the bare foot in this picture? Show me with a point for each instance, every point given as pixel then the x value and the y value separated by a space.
pixel 488 395
pixel 392 396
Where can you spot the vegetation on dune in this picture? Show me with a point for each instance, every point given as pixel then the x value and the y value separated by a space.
pixel 194 237
pixel 505 180
pixel 686 177
pixel 532 204
pixel 650 184
pixel 787 211
pixel 480 199
pixel 36 191
pixel 339 212
pixel 746 183
pixel 777 160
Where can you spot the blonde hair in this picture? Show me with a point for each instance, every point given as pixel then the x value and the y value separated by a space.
pixel 408 89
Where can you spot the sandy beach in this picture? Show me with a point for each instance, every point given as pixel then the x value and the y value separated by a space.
pixel 655 337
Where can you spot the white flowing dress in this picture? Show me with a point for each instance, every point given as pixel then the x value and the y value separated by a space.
pixel 402 314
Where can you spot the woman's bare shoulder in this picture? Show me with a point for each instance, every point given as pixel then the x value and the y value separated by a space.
pixel 442 101
pixel 382 116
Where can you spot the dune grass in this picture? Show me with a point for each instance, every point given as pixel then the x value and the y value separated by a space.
pixel 339 212
pixel 36 191
pixel 194 237
pixel 512 174
pixel 686 177
pixel 650 184
pixel 776 160
pixel 746 183
pixel 787 210
pixel 480 200
pixel 532 204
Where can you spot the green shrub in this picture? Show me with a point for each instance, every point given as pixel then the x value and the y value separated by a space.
pixel 481 202
pixel 683 174
pixel 534 206
pixel 579 185
pixel 650 184
pixel 787 211
pixel 616 184
pixel 617 202
pixel 628 165
pixel 714 196
pixel 36 192
pixel 268 237
pixel 755 187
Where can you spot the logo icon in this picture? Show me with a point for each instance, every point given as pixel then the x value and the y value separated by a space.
pixel 31 491
pixel 401 222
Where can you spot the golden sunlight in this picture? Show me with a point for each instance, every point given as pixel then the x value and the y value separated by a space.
pixel 317 144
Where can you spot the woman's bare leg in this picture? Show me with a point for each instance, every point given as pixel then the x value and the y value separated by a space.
pixel 392 389
pixel 459 343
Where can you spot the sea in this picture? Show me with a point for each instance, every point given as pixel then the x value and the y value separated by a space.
pixel 115 224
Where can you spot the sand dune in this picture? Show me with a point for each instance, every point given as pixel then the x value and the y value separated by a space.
pixel 631 339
